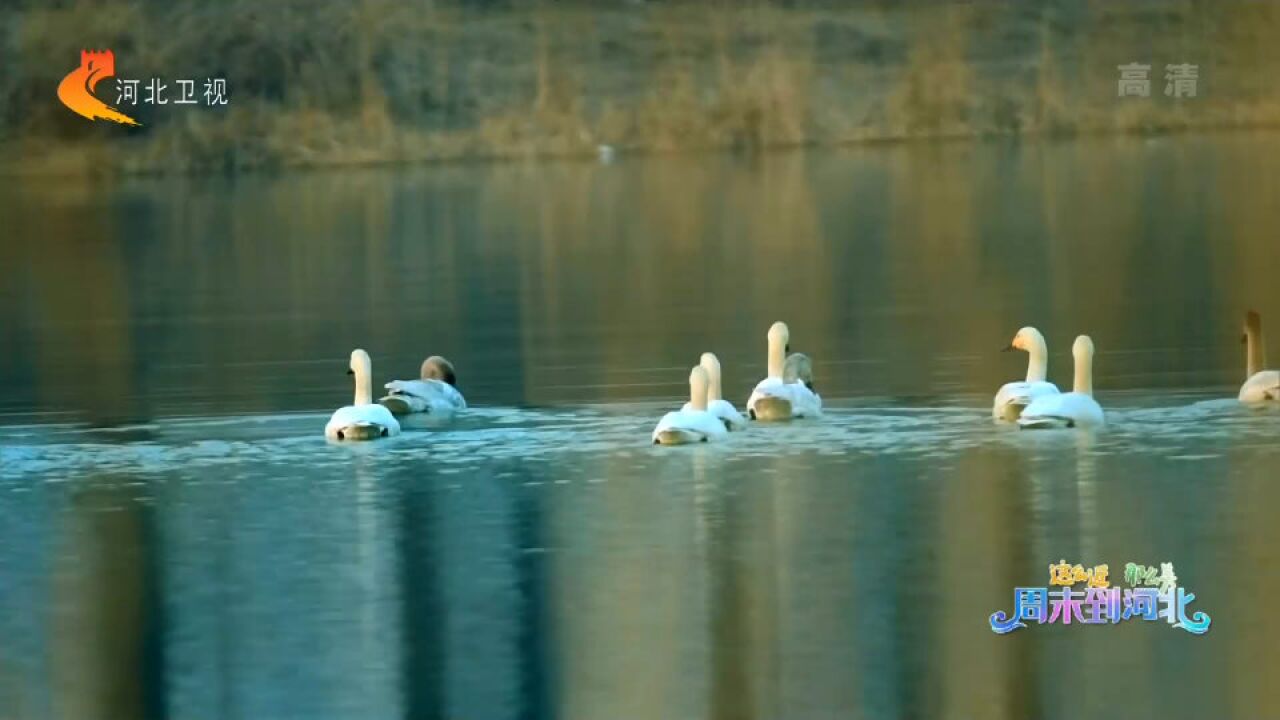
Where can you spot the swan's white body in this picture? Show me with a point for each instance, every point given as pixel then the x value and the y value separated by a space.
pixel 716 404
pixel 693 423
pixel 1261 385
pixel 1071 409
pixel 688 426
pixel 779 397
pixel 435 397
pixel 1076 409
pixel 362 420
pixel 776 399
pixel 728 414
pixel 434 393
pixel 1014 397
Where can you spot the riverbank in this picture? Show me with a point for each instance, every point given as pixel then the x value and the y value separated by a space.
pixel 337 83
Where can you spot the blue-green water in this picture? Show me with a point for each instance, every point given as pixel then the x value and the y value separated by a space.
pixel 177 539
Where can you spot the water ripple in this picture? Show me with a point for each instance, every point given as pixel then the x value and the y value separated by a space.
pixel 268 445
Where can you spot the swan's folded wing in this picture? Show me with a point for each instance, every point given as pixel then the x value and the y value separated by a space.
pixel 379 415
pixel 668 422
pixel 1067 409
pixel 698 424
pixel 805 402
pixel 342 417
pixel 362 416
pixel 707 423
pixel 1045 412
pixel 673 429
pixel 406 387
pixel 1003 400
pixel 455 397
pixel 1014 396
pixel 1044 421
pixel 1262 387
pixel 433 393
pixel 1040 389
pixel 1046 405
pixel 728 414
pixel 1009 391
pixel 766 388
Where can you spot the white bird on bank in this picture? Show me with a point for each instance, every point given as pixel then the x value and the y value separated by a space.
pixel 1014 396
pixel 1074 409
pixel 692 423
pixel 787 392
pixel 436 393
pixel 1260 385
pixel 362 420
pixel 716 404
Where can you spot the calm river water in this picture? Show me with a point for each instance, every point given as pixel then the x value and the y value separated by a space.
pixel 177 539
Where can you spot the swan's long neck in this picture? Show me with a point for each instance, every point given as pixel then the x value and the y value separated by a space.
pixel 1037 361
pixel 777 357
pixel 698 392
pixel 1256 351
pixel 1084 374
pixel 713 382
pixel 364 386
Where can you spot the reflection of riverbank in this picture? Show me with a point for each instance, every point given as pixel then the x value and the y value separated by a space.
pixel 399 82
pixel 901 271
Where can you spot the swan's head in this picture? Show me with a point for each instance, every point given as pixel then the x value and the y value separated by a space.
pixel 698 388
pixel 1026 340
pixel 1082 348
pixel 798 368
pixel 437 368
pixel 780 335
pixel 360 363
pixel 1252 325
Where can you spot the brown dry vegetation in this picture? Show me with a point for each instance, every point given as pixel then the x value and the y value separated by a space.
pixel 336 82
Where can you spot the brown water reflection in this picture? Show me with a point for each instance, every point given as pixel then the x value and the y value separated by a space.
pixel 538 559
pixel 899 269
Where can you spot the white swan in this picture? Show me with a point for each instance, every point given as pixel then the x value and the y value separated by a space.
pixel 1014 396
pixel 361 420
pixel 436 393
pixel 716 404
pixel 692 423
pixel 787 392
pixel 1261 385
pixel 1074 409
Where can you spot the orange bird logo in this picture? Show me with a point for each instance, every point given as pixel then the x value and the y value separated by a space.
pixel 76 89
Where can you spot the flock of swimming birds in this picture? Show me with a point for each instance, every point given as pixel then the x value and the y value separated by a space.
pixel 787 392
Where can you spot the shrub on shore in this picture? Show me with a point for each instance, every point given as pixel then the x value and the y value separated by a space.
pixel 335 82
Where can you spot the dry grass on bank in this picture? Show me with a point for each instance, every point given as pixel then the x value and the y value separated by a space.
pixel 334 82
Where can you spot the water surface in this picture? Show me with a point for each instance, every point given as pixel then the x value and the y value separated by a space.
pixel 178 539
